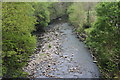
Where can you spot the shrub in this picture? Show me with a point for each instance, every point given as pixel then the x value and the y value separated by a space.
pixel 77 15
pixel 104 38
pixel 81 15
pixel 42 15
pixel 18 43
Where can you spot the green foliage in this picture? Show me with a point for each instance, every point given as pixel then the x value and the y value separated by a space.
pixel 58 9
pixel 104 38
pixel 0 38
pixel 42 14
pixel 77 15
pixel 81 14
pixel 18 43
pixel 19 19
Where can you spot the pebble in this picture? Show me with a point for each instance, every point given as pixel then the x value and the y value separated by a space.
pixel 51 37
pixel 48 63
pixel 94 61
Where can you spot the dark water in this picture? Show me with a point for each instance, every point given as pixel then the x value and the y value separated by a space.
pixel 75 60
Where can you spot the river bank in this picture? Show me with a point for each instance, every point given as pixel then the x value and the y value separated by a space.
pixel 60 54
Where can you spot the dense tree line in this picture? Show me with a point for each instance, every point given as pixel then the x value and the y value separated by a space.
pixel 18 43
pixel 77 16
pixel 81 15
pixel 103 37
pixel 42 15
pixel 101 25
pixel 19 20
pixel 58 9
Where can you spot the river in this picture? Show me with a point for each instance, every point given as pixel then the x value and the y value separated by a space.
pixel 63 55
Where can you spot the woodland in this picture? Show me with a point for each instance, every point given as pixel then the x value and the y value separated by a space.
pixel 97 23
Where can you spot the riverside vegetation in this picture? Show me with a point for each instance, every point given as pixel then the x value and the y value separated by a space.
pixel 97 23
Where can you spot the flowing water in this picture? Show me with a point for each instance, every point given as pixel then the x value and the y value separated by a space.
pixel 74 59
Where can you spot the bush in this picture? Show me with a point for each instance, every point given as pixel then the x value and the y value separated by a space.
pixel 58 9
pixel 81 15
pixel 42 15
pixel 104 38
pixel 18 43
pixel 77 15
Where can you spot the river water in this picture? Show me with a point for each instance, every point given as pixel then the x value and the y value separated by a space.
pixel 73 61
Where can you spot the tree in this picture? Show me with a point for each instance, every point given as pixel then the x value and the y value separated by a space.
pixel 42 14
pixel 58 9
pixel 18 43
pixel 104 38
pixel 81 15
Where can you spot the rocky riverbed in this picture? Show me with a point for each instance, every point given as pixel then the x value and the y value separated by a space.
pixel 60 54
